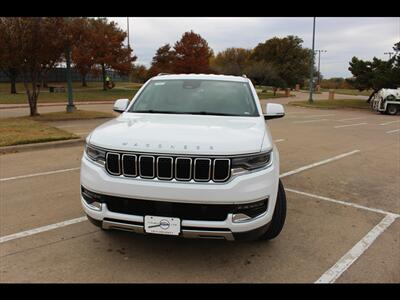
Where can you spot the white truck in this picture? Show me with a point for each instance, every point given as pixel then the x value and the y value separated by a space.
pixel 387 101
pixel 190 156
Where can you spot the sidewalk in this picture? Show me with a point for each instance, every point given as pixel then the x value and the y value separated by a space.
pixel 45 104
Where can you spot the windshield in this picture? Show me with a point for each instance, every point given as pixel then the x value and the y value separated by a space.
pixel 208 97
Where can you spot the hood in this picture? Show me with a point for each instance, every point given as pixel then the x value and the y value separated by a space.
pixel 182 134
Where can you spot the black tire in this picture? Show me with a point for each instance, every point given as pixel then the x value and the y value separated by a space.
pixel 278 219
pixel 391 110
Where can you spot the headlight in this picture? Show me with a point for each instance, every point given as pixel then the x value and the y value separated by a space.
pixel 95 154
pixel 251 162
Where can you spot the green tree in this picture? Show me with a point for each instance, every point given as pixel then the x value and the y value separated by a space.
pixel 375 74
pixel 287 56
pixel 231 61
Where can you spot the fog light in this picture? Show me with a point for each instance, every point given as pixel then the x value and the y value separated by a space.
pixel 95 206
pixel 92 200
pixel 238 218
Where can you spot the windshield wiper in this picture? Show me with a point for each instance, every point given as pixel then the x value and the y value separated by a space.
pixel 151 111
pixel 209 113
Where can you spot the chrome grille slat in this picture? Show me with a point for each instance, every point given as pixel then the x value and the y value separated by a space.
pixel 153 167
pixel 176 169
pixel 209 169
pixel 158 166
pixel 135 165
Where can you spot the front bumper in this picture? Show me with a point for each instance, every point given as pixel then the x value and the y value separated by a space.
pixel 241 189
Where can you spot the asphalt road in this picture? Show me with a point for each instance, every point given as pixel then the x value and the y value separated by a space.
pixel 342 222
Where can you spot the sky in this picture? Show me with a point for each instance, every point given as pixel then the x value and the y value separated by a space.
pixel 342 38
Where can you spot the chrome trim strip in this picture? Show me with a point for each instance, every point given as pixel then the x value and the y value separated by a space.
pixel 186 233
pixel 172 167
pixel 207 234
pixel 190 168
pixel 122 226
pixel 229 169
pixel 209 170
pixel 136 162
pixel 119 163
pixel 140 173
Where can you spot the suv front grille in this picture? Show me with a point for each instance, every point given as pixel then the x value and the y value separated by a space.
pixel 168 167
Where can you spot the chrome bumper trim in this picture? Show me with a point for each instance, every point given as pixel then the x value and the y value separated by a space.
pixel 186 233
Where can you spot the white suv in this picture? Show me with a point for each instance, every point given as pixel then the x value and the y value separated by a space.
pixel 190 156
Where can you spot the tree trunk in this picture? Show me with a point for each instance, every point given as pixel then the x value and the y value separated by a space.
pixel 84 83
pixel 13 85
pixel 372 95
pixel 33 105
pixel 103 70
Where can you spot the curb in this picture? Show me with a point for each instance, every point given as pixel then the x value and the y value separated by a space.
pixel 56 104
pixel 41 146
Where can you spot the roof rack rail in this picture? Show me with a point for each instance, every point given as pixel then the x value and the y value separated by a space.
pixel 160 74
pixel 244 75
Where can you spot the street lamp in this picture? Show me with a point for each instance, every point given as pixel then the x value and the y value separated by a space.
pixel 389 53
pixel 319 63
pixel 70 105
pixel 310 99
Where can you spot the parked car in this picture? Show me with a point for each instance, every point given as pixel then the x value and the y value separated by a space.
pixel 190 156
pixel 387 101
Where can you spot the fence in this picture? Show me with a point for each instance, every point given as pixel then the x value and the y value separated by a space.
pixel 60 75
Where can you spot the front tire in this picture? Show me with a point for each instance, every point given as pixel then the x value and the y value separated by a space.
pixel 278 219
pixel 391 110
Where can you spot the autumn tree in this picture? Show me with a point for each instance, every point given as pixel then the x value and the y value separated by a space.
pixel 83 56
pixel 162 61
pixel 231 61
pixel 192 54
pixel 108 50
pixel 140 73
pixel 10 54
pixel 288 58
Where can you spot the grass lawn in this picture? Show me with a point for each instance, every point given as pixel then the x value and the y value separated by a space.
pixel 76 115
pixel 24 130
pixel 333 104
pixel 93 92
pixel 27 130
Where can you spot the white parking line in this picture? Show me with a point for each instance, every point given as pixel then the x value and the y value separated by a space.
pixel 22 234
pixel 39 174
pixel 322 162
pixel 376 210
pixel 392 131
pixel 350 119
pixel 309 121
pixel 387 123
pixel 280 140
pixel 348 125
pixel 314 116
pixel 354 253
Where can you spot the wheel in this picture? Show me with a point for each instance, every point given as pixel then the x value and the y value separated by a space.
pixel 278 219
pixel 391 110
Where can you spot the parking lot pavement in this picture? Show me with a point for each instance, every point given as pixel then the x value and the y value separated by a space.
pixel 341 184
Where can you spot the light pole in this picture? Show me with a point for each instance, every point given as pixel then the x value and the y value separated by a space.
pixel 319 63
pixel 70 105
pixel 390 54
pixel 127 23
pixel 310 99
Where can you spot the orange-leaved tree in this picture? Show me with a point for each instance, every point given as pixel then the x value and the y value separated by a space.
pixel 108 49
pixel 192 54
pixel 162 61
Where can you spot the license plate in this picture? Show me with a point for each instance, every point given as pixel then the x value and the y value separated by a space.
pixel 162 225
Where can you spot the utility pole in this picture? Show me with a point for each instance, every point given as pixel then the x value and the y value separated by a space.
pixel 127 23
pixel 319 63
pixel 310 99
pixel 390 54
pixel 70 105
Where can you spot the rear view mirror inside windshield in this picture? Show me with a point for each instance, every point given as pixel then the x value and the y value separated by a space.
pixel 191 84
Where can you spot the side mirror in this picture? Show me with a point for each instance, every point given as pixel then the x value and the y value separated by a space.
pixel 274 111
pixel 121 105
